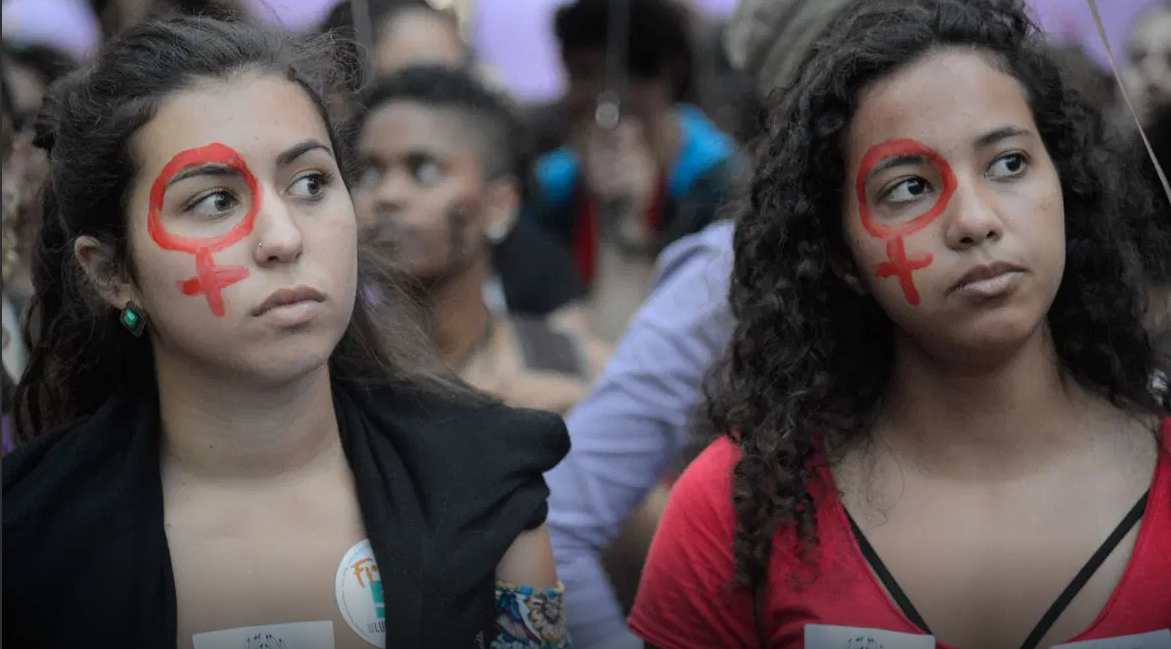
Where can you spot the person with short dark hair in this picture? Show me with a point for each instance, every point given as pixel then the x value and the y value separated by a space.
pixel 222 437
pixel 438 188
pixel 936 420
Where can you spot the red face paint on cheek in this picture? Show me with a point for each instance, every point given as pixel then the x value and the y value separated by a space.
pixel 210 279
pixel 899 265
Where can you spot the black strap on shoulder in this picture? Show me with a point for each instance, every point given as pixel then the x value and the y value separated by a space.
pixel 1083 576
pixel 887 579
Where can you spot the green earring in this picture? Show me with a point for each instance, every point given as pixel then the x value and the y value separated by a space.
pixel 133 318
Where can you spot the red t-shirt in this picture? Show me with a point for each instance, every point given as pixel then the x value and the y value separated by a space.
pixel 685 600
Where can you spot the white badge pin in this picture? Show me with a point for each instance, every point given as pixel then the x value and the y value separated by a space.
pixel 360 598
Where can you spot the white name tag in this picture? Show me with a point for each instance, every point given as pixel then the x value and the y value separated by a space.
pixel 820 636
pixel 298 635
pixel 1152 640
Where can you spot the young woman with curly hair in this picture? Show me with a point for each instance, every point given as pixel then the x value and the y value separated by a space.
pixel 941 430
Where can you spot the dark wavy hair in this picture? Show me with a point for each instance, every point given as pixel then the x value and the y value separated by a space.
pixel 810 360
pixel 79 353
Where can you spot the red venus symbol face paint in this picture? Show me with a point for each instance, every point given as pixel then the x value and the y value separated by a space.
pixel 899 264
pixel 210 279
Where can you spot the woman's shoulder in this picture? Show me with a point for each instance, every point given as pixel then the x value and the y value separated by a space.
pixel 61 468
pixel 475 454
pixel 34 464
pixel 711 471
pixel 470 426
pixel 703 493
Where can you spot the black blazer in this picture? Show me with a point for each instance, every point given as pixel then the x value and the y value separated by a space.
pixel 444 487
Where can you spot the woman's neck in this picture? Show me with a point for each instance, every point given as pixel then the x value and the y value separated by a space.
pixel 214 429
pixel 458 316
pixel 998 419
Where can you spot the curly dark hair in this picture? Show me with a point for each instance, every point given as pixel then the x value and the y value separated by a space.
pixel 810 361
pixel 660 37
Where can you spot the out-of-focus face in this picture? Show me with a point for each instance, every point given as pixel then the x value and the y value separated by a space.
pixel 27 88
pixel 242 234
pixel 645 100
pixel 1147 74
pixel 417 37
pixel 422 190
pixel 954 212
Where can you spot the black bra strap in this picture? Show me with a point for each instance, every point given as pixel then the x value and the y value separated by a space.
pixel 1083 576
pixel 1059 605
pixel 887 579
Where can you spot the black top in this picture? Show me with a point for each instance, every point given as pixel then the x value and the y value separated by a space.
pixel 536 272
pixel 444 487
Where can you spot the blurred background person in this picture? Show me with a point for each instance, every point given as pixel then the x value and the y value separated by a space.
pixel 405 32
pixel 617 197
pixel 533 273
pixel 29 68
pixel 1145 62
pixel 1146 72
pixel 437 186
pixel 24 168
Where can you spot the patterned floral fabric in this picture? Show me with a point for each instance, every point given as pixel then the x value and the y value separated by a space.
pixel 528 618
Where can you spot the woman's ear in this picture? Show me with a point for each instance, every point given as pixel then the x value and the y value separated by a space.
pixel 501 208
pixel 100 266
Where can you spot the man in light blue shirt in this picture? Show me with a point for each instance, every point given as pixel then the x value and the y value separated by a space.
pixel 635 422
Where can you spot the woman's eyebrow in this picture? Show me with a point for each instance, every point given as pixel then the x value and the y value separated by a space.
pixel 996 135
pixel 893 161
pixel 289 155
pixel 206 169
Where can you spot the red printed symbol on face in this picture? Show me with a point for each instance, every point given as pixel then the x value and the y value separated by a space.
pixel 210 279
pixel 899 265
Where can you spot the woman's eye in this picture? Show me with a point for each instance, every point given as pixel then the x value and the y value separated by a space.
pixel 309 186
pixel 908 191
pixel 1008 166
pixel 215 204
pixel 427 172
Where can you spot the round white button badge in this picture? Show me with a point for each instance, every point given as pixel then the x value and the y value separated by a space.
pixel 359 594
